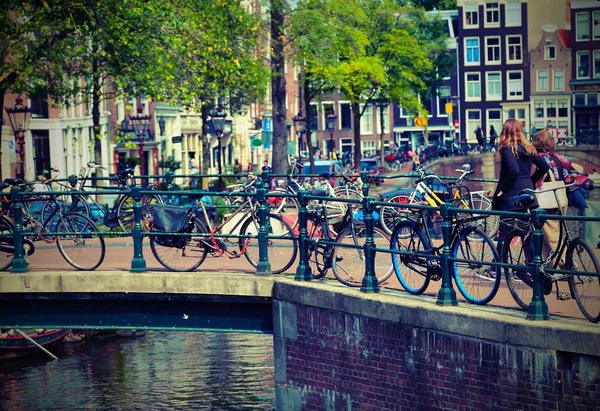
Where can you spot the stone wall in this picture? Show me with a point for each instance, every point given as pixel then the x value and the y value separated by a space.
pixel 338 349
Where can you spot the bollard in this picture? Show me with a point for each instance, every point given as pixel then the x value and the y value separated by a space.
pixel 538 308
pixel 303 271
pixel 19 263
pixel 370 284
pixel 447 294
pixel 263 267
pixel 138 264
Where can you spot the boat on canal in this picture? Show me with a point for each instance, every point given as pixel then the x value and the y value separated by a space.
pixel 13 344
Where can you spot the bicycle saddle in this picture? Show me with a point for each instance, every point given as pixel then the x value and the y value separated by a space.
pixel 128 172
pixel 523 200
pixel 318 192
pixel 3 186
pixel 14 181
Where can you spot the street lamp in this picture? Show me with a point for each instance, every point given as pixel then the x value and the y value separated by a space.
pixel 300 126
pixel 161 125
pixel 330 124
pixel 19 117
pixel 141 123
pixel 218 122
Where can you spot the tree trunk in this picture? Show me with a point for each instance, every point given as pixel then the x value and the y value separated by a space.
pixel 2 157
pixel 96 92
pixel 278 92
pixel 307 107
pixel 205 145
pixel 356 126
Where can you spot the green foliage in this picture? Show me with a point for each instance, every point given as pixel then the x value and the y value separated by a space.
pixel 169 164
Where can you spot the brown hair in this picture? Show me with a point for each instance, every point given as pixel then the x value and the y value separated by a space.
pixel 512 137
pixel 544 142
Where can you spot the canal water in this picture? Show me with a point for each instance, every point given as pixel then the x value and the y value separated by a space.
pixel 162 370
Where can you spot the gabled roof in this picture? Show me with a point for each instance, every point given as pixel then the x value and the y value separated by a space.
pixel 564 36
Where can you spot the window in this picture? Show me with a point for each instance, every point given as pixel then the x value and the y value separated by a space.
pixel 558 82
pixel 542 80
pixel 596 21
pixel 427 102
pixel 314 117
pixel 583 64
pixel 513 45
pixel 473 120
pixel 515 84
pixel 513 13
pixel 563 108
pixel 596 63
pixel 404 113
pixel 494 118
pixel 550 53
pixel 538 106
pixel 473 81
pixel 582 26
pixel 369 148
pixel 492 50
pixel 345 116
pixel 366 121
pixel 443 94
pixel 551 108
pixel 493 86
pixel 492 14
pixel 592 99
pixel 580 99
pixel 472 50
pixel 41 150
pixel 326 108
pixel 471 15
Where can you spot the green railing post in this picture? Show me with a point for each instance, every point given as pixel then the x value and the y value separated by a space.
pixel 370 284
pixel 538 308
pixel 303 271
pixel 364 176
pixel 138 264
pixel 19 263
pixel 263 267
pixel 447 294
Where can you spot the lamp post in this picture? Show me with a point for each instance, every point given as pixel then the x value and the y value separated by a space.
pixel 19 117
pixel 161 125
pixel 140 123
pixel 300 126
pixel 330 124
pixel 218 122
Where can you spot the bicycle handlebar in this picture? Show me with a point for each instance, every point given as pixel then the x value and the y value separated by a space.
pixel 531 191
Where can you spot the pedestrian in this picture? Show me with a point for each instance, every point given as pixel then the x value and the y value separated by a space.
pixel 249 168
pixel 266 167
pixel 237 167
pixel 549 125
pixel 479 136
pixel 493 136
pixel 317 155
pixel 516 156
pixel 192 169
pixel 545 145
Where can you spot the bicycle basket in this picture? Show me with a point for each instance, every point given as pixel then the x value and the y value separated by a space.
pixel 170 218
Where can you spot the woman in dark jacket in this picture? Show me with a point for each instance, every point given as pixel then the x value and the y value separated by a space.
pixel 517 156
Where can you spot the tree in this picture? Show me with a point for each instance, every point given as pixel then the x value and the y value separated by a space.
pixel 374 50
pixel 278 88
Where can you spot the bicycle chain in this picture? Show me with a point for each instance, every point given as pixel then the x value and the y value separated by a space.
pixel 220 251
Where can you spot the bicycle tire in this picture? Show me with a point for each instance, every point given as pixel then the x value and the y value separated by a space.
pixel 410 268
pixel 66 206
pixel 280 256
pixel 287 207
pixel 88 247
pixel 515 249
pixel 317 260
pixel 490 223
pixel 6 232
pixel 389 216
pixel 479 282
pixel 125 211
pixel 585 289
pixel 349 263
pixel 175 258
pixel 350 193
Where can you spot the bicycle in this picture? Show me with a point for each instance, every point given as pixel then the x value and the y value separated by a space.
pixel 476 200
pixel 414 257
pixel 346 257
pixel 188 251
pixel 121 213
pixel 574 258
pixel 75 235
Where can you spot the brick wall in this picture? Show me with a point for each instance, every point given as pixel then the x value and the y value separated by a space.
pixel 327 359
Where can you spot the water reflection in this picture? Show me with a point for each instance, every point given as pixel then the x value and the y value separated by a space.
pixel 175 370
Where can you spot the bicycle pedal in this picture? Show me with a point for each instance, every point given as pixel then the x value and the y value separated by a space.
pixel 564 297
pixel 234 254
pixel 339 258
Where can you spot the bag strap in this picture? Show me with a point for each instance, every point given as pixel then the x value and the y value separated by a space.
pixel 559 166
pixel 551 174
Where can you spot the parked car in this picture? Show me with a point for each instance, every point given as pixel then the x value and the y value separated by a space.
pixel 324 167
pixel 373 167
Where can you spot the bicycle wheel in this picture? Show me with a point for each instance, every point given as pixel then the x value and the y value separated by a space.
pixel 287 207
pixel 80 245
pixel 6 243
pixel 488 223
pixel 66 204
pixel 347 192
pixel 319 255
pixel 585 289
pixel 181 253
pixel 410 268
pixel 282 251
pixel 349 263
pixel 125 211
pixel 515 250
pixel 389 216
pixel 477 281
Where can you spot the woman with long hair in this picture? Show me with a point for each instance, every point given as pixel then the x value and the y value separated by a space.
pixel 516 156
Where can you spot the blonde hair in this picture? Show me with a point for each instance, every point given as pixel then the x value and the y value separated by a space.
pixel 512 137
